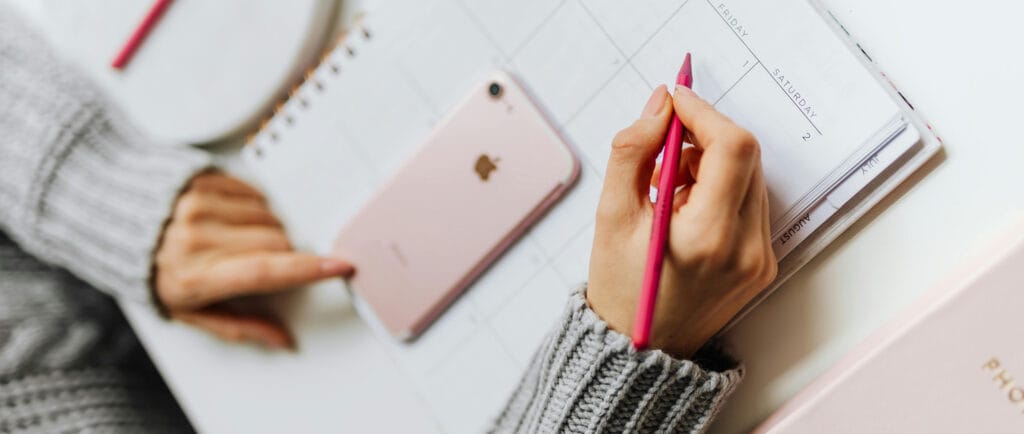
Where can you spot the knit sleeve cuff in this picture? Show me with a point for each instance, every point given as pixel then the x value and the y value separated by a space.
pixel 80 187
pixel 589 378
pixel 105 206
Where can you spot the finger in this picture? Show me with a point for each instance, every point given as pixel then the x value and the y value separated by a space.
pixel 702 121
pixel 262 273
pixel 632 159
pixel 757 228
pixel 237 327
pixel 689 161
pixel 766 213
pixel 729 152
pixel 755 211
pixel 766 223
pixel 201 206
pixel 219 182
pixel 681 197
pixel 768 245
pixel 225 239
pixel 688 137
pixel 753 203
pixel 249 238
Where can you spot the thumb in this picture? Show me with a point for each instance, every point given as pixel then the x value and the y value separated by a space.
pixel 633 156
pixel 237 327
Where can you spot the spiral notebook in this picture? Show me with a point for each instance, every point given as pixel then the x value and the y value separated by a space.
pixel 836 138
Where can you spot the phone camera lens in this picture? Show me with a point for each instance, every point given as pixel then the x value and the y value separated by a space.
pixel 495 90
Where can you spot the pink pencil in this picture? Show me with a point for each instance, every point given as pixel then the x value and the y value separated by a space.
pixel 662 217
pixel 140 34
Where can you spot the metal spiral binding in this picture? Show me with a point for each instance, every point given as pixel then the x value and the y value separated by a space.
pixel 309 78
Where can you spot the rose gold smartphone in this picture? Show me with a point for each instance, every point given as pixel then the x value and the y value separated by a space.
pixel 489 170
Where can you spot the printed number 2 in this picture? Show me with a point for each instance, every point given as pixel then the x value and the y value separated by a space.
pixel 806 137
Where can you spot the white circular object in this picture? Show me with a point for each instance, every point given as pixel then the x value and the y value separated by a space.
pixel 206 71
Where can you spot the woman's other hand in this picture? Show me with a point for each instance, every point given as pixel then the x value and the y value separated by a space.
pixel 223 243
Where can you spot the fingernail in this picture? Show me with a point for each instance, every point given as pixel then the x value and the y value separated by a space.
pixel 335 267
pixel 684 91
pixel 655 102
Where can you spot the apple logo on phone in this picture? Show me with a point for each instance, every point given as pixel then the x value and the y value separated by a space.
pixel 485 165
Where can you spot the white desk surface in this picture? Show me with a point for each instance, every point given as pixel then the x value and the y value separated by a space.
pixel 957 63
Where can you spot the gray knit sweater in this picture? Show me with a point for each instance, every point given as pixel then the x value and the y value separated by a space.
pixel 83 200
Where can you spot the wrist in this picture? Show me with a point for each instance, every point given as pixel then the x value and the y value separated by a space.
pixel 682 340
pixel 678 330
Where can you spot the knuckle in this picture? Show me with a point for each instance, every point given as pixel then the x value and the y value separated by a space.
pixel 625 140
pixel 187 287
pixel 630 140
pixel 757 266
pixel 267 216
pixel 189 207
pixel 177 289
pixel 619 217
pixel 751 264
pixel 186 239
pixel 742 144
pixel 745 136
pixel 711 253
pixel 716 252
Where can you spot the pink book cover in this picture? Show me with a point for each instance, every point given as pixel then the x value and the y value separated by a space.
pixel 954 363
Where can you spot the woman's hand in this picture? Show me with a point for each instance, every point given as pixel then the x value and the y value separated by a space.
pixel 223 243
pixel 719 253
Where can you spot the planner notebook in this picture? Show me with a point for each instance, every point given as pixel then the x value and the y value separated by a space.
pixel 951 364
pixel 836 137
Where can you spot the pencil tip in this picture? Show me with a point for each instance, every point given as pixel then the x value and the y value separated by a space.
pixel 685 76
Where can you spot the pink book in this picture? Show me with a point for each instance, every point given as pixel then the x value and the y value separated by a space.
pixel 952 364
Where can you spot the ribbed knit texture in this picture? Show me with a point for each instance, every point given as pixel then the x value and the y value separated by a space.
pixel 587 378
pixel 68 360
pixel 80 187
pixel 83 200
